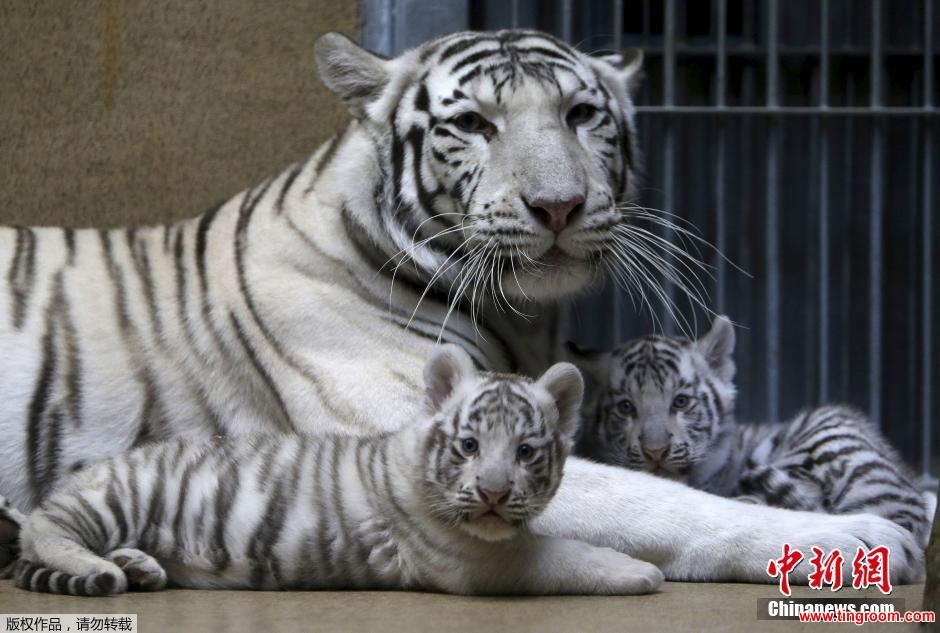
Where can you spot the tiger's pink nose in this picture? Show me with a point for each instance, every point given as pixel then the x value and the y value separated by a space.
pixel 554 214
pixel 656 454
pixel 493 497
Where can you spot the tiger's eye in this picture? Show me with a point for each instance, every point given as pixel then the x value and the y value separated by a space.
pixel 681 402
pixel 625 407
pixel 469 445
pixel 473 123
pixel 580 114
pixel 525 452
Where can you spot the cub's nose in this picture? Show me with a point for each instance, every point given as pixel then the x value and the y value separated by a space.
pixel 493 497
pixel 656 454
pixel 554 214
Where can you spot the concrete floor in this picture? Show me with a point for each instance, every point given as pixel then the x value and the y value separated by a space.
pixel 678 607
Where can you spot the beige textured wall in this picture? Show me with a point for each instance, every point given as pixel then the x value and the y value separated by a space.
pixel 118 112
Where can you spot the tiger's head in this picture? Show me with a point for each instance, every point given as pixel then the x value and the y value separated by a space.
pixel 493 449
pixel 660 403
pixel 501 154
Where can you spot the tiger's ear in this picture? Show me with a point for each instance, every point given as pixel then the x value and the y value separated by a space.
pixel 352 73
pixel 717 347
pixel 628 65
pixel 564 384
pixel 446 369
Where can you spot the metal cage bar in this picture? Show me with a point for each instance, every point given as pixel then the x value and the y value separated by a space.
pixel 927 259
pixel 616 11
pixel 669 129
pixel 876 225
pixel 823 298
pixel 772 211
pixel 567 16
pixel 721 87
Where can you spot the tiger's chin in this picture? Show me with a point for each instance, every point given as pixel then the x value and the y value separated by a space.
pixel 555 275
pixel 489 527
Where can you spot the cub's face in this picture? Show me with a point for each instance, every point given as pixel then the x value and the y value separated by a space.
pixel 493 455
pixel 507 151
pixel 662 401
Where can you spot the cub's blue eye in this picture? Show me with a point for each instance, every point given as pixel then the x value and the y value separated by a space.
pixel 625 407
pixel 469 445
pixel 473 123
pixel 525 452
pixel 681 402
pixel 580 114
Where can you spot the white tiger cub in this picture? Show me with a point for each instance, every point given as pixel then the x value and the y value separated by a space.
pixel 440 505
pixel 666 406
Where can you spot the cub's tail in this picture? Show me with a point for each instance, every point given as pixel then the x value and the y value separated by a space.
pixel 33 577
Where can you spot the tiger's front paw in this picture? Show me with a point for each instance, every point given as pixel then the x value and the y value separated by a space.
pixel 847 533
pixel 143 571
pixel 619 574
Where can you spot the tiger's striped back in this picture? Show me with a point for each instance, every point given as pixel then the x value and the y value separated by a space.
pixel 832 459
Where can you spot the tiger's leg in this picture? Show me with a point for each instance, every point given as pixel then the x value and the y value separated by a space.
pixel 143 571
pixel 543 565
pixel 693 535
pixel 11 520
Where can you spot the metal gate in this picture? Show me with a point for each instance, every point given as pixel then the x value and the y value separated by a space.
pixel 800 137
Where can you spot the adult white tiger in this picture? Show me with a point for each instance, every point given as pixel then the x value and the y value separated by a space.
pixel 492 161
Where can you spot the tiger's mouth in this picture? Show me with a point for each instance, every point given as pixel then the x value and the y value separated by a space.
pixel 555 256
pixel 489 525
pixel 665 470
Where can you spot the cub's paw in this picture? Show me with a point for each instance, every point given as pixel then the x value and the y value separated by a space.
pixel 143 571
pixel 619 574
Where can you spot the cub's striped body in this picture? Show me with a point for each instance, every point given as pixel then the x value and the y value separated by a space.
pixel 666 405
pixel 832 459
pixel 435 506
pixel 479 182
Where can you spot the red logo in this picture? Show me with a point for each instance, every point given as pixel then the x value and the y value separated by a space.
pixel 783 566
pixel 869 568
pixel 827 569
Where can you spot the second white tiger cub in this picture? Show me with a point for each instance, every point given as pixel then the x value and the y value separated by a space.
pixel 666 405
pixel 440 505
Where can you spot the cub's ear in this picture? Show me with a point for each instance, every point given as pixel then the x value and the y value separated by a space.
pixel 717 347
pixel 351 72
pixel 446 369
pixel 564 384
pixel 628 65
